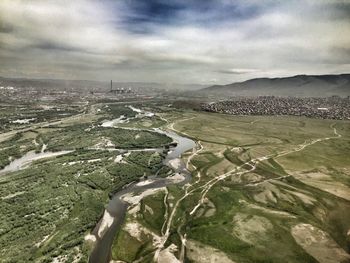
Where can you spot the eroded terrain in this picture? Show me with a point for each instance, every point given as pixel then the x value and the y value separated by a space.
pixel 256 182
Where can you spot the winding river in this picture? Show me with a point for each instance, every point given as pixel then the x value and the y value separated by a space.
pixel 115 212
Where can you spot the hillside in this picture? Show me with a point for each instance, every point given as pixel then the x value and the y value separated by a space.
pixel 299 86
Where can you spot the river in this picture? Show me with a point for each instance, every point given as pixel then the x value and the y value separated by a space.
pixel 116 209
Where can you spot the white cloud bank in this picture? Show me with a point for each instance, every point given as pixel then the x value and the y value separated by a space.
pixel 85 39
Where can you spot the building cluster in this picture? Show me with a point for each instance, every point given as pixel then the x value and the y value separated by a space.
pixel 121 91
pixel 324 108
pixel 29 93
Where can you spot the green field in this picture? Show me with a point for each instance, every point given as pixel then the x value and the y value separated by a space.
pixel 253 216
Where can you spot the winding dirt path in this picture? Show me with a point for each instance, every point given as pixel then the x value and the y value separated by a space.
pixel 205 188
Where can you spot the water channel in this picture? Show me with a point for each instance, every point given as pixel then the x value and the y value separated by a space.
pixel 117 207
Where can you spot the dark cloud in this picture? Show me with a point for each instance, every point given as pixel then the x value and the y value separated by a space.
pixel 335 10
pixel 5 28
pixel 141 16
pixel 54 47
pixel 238 71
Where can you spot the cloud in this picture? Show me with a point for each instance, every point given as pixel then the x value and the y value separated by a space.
pixel 173 41
pixel 238 71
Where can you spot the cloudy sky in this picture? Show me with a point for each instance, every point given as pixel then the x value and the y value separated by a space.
pixel 173 41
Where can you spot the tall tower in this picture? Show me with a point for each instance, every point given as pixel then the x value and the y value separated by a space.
pixel 111 85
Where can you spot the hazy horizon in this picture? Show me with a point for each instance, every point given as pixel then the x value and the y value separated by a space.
pixel 167 83
pixel 184 42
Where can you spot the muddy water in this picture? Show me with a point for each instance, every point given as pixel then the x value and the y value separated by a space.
pixel 183 144
pixel 117 207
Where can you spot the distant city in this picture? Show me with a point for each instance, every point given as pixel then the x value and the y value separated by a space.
pixel 333 107
pixel 79 91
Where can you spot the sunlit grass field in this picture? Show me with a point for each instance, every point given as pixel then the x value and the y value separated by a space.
pixel 253 217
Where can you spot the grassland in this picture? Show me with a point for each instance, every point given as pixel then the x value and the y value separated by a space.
pixel 241 207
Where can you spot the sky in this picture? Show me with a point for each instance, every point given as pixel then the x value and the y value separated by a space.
pixel 173 41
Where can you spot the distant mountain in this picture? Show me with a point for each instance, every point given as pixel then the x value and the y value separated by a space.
pixel 298 86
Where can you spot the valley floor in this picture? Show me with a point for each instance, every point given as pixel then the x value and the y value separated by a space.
pixel 263 189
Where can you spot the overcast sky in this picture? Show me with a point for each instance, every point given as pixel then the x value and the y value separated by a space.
pixel 173 41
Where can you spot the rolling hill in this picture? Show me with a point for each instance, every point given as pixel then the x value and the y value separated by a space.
pixel 298 86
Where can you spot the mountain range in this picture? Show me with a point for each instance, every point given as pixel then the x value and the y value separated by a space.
pixel 297 86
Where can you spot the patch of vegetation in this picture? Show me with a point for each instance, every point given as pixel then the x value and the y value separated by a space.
pixel 82 136
pixel 23 115
pixel 48 199
pixel 153 210
pixel 48 208
pixel 128 247
pixel 15 147
pixel 150 160
pixel 116 110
